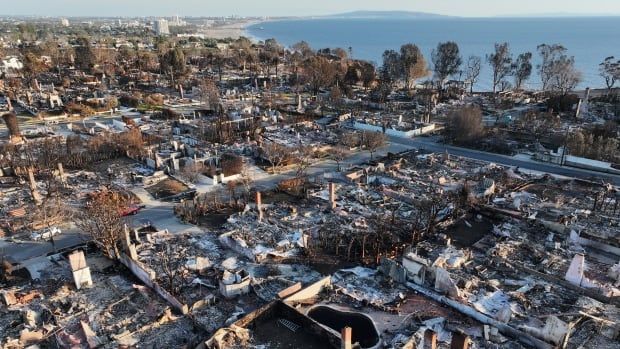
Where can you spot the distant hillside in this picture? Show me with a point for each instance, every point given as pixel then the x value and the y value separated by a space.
pixel 388 15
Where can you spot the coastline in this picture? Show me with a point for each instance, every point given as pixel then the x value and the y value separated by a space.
pixel 233 30
pixel 246 29
pixel 369 42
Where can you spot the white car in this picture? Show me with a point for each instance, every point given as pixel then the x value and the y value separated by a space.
pixel 45 234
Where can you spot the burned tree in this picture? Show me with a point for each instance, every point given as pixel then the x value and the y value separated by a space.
pixel 391 68
pixel 465 125
pixel 101 218
pixel 426 216
pixel 501 64
pixel 84 55
pixel 170 263
pixel 522 69
pixel 474 66
pixel 338 154
pixel 275 154
pixel 231 164
pixel 209 94
pixel 610 71
pixel 191 172
pixel 372 141
pixel 446 61
pixel 557 70
pixel 10 119
pixel 303 159
pixel 350 140
pixel 412 63
pixel 319 72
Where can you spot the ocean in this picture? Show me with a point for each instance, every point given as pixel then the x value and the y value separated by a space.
pixel 590 40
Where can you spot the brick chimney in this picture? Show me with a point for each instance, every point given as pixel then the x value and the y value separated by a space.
pixel 332 195
pixel 259 204
pixel 346 335
pixel 430 339
pixel 459 341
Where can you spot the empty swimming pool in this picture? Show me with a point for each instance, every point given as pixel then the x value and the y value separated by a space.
pixel 364 331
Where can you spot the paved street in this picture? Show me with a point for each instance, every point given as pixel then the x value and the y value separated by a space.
pixel 429 144
pixel 161 216
pixel 20 251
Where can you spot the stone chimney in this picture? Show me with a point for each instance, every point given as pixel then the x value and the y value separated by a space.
pixel 33 188
pixel 332 195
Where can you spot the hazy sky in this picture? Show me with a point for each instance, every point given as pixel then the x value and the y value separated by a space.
pixel 471 8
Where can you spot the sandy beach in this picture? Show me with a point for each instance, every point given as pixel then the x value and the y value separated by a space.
pixel 233 30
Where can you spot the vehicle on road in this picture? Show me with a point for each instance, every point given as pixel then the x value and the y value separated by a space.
pixel 45 234
pixel 131 210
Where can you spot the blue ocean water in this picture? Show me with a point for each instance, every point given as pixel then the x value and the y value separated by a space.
pixel 589 40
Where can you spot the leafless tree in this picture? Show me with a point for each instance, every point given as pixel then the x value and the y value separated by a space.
pixel 549 54
pixel 191 172
pixel 474 65
pixel 428 212
pixel 501 64
pixel 565 75
pixel 170 262
pixel 246 178
pixel 350 139
pixel 338 154
pixel 276 154
pixel 303 156
pixel 372 141
pixel 101 219
pixel 610 71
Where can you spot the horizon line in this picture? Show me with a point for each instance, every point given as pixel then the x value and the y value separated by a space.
pixel 515 15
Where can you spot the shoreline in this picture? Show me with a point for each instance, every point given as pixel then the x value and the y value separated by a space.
pixel 290 30
pixel 233 30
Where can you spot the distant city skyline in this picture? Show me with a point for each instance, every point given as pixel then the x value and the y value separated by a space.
pixel 201 8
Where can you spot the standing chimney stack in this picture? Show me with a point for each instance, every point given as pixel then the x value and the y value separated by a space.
pixel 430 339
pixel 459 341
pixel 259 204
pixel 332 195
pixel 33 188
pixel 346 335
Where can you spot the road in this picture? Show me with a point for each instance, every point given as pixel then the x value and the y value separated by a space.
pixel 325 166
pixel 19 251
pixel 161 216
pixel 429 144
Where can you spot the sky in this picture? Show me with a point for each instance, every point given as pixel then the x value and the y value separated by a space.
pixel 465 8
